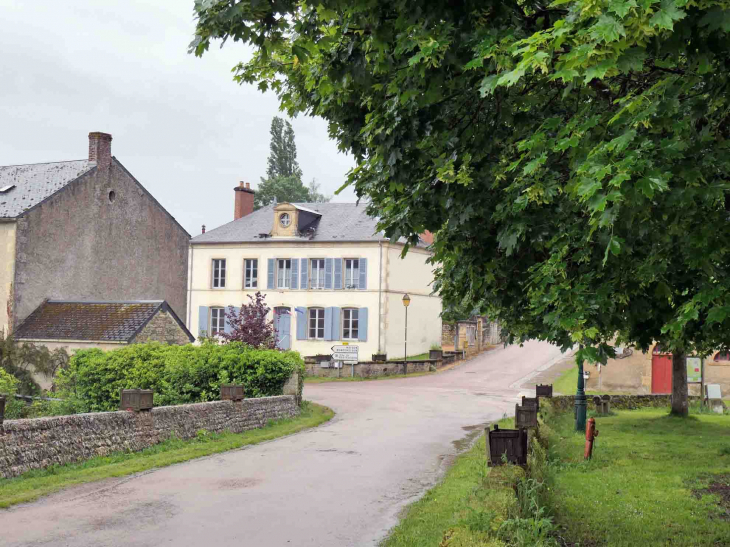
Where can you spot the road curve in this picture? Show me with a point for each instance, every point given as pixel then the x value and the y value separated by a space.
pixel 342 484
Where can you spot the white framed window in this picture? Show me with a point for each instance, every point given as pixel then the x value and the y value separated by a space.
pixel 217 321
pixel 316 274
pixel 352 273
pixel 219 273
pixel 350 326
pixel 250 273
pixel 316 323
pixel 283 273
pixel 285 220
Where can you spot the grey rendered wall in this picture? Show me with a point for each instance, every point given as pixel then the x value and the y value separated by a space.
pixel 80 245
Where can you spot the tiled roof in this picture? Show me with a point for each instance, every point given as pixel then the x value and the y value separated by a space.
pixel 93 321
pixel 339 222
pixel 35 182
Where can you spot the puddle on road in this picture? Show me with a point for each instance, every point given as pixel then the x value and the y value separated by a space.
pixel 473 432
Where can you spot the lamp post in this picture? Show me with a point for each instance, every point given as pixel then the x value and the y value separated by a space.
pixel 406 302
pixel 580 400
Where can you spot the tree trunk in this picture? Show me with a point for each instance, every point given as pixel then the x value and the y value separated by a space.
pixel 680 405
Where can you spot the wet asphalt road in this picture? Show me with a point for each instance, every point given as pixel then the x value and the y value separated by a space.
pixel 342 484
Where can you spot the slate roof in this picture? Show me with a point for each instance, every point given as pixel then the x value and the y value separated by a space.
pixel 36 182
pixel 339 222
pixel 92 321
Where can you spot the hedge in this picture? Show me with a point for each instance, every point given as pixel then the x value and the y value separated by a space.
pixel 177 374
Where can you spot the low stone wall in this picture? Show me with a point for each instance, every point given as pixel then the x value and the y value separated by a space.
pixel 618 402
pixel 41 442
pixel 371 369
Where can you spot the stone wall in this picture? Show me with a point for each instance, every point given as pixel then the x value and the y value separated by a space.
pixel 163 328
pixel 371 369
pixel 448 335
pixel 619 402
pixel 41 442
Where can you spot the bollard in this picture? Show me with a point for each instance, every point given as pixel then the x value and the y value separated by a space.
pixel 2 410
pixel 591 434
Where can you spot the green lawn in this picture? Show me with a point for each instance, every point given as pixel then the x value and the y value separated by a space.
pixel 567 382
pixel 35 484
pixel 647 482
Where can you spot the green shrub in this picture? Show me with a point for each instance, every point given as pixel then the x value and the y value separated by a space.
pixel 177 374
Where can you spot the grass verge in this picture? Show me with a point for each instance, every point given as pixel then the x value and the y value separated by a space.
pixel 465 508
pixel 37 483
pixel 653 480
pixel 566 383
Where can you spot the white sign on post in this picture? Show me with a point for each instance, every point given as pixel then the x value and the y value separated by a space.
pixel 345 353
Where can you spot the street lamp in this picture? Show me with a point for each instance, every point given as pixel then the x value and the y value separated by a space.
pixel 406 302
pixel 580 399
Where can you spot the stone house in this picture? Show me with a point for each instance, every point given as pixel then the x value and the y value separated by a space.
pixel 85 230
pixel 104 325
pixel 325 270
pixel 651 372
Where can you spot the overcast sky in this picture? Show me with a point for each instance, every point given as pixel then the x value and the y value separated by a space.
pixel 180 124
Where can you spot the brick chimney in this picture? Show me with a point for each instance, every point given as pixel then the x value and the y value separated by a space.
pixel 244 201
pixel 100 149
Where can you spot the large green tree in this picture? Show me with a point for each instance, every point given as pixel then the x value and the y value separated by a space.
pixel 572 159
pixel 282 160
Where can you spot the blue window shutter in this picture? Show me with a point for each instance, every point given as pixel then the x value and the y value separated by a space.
pixel 202 320
pixel 363 283
pixel 335 323
pixel 327 273
pixel 270 273
pixel 301 323
pixel 227 328
pixel 338 273
pixel 294 273
pixel 362 324
pixel 328 323
pixel 303 273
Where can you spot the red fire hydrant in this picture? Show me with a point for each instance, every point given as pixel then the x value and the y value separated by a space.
pixel 591 434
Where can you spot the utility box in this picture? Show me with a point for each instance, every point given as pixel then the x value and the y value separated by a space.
pixel 512 443
pixel 525 416
pixel 136 399
pixel 544 390
pixel 231 392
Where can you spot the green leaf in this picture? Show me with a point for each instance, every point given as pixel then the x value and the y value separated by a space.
pixel 716 19
pixel 607 29
pixel 489 84
pixel 621 7
pixel 632 59
pixel 667 15
pixel 599 70
pixel 718 314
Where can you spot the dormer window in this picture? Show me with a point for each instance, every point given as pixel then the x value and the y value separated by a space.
pixel 285 220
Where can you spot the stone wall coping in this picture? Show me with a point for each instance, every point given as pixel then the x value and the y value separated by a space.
pixel 52 421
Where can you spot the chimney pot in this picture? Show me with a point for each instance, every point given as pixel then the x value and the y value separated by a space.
pixel 203 228
pixel 100 149
pixel 248 186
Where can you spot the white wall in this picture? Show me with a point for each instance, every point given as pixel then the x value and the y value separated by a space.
pixel 7 270
pixel 203 294
pixel 386 271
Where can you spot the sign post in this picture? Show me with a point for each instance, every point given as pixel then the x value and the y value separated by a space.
pixel 347 354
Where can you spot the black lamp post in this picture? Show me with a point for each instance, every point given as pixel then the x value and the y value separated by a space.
pixel 406 302
pixel 580 400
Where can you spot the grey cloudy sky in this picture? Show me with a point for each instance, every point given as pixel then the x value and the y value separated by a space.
pixel 180 124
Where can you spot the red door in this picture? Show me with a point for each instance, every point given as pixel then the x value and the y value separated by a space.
pixel 661 373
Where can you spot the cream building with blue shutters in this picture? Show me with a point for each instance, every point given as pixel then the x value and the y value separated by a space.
pixel 327 274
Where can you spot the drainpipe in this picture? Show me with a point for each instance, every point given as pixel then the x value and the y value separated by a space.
pixel 380 295
pixel 190 289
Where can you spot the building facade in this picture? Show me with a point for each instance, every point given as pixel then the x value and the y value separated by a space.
pixel 325 271
pixel 85 230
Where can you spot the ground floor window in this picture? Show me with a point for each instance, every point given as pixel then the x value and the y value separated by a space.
pixel 217 321
pixel 350 322
pixel 316 323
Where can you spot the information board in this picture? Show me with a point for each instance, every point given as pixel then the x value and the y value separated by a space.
pixel 694 370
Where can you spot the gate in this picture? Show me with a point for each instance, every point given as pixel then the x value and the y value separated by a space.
pixel 661 371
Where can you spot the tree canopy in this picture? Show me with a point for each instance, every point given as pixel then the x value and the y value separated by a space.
pixel 572 159
pixel 283 182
